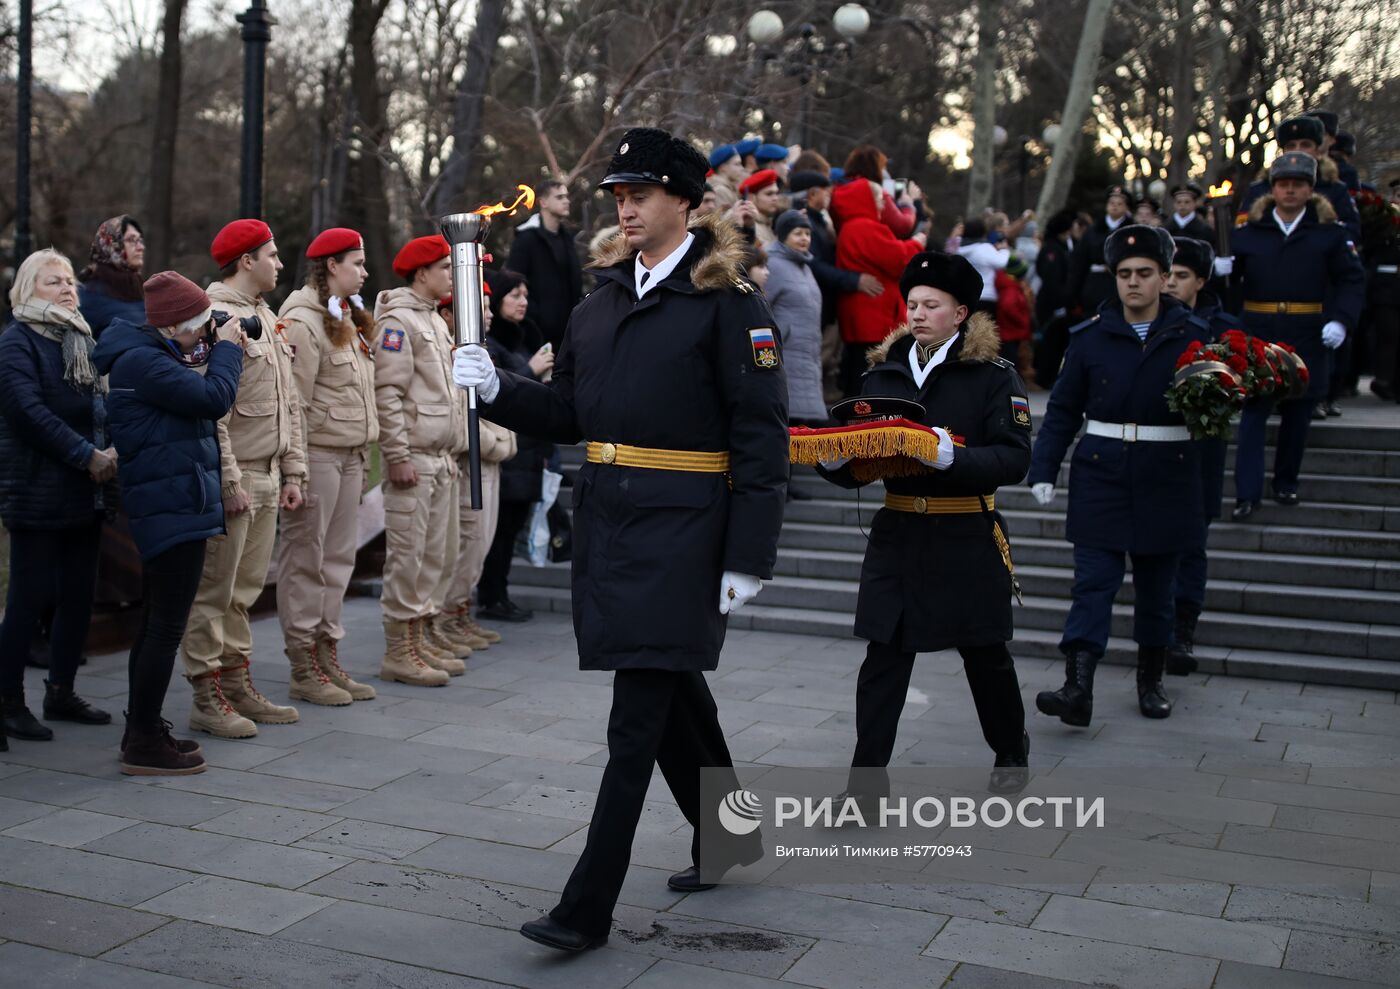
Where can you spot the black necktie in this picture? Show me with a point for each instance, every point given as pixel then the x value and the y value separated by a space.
pixel 643 282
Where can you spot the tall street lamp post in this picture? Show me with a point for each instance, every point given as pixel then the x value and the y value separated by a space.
pixel 24 241
pixel 256 33
pixel 810 55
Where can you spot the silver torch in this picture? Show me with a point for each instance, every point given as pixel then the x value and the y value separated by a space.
pixel 465 233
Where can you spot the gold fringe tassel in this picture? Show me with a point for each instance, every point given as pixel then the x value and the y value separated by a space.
pixel 874 443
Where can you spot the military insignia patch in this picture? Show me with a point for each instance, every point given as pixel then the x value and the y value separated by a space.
pixel 393 339
pixel 1021 411
pixel 765 347
pixel 861 408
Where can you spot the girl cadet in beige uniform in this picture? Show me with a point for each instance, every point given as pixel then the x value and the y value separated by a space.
pixel 421 424
pixel 329 331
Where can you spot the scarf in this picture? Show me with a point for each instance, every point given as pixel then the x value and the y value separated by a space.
pixel 68 329
pixel 108 261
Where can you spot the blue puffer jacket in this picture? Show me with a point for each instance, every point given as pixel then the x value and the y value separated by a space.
pixel 101 308
pixel 161 416
pixel 48 430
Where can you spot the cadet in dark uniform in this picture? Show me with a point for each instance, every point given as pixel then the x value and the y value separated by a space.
pixel 1383 312
pixel 1185 220
pixel 1342 151
pixel 1135 484
pixel 1092 284
pixel 1298 278
pixel 1055 301
pixel 1192 268
pixel 934 575
pixel 670 370
pixel 1307 134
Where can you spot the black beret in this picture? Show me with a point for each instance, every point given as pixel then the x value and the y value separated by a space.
pixel 951 273
pixel 1190 187
pixel 802 181
pixel 1294 165
pixel 1300 129
pixel 1330 121
pixel 1345 143
pixel 1137 240
pixel 651 156
pixel 1194 254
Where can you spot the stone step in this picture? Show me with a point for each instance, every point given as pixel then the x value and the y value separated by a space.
pixel 1033 643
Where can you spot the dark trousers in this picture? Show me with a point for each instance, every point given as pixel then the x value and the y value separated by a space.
pixel 659 717
pixel 1098 574
pixel 883 685
pixel 495 570
pixel 1294 419
pixel 1385 334
pixel 168 585
pixel 1189 589
pixel 51 571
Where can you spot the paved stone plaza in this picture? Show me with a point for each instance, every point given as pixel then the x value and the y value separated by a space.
pixel 401 842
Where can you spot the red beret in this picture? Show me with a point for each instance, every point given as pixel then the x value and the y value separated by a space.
pixel 759 180
pixel 238 238
pixel 171 298
pixel 418 252
pixel 336 240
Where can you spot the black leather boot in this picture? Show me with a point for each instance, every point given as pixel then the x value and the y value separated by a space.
pixel 1074 702
pixel 1011 771
pixel 1152 698
pixel 1181 659
pixel 61 704
pixel 18 721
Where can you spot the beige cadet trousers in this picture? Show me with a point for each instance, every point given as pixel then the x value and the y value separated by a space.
pixel 316 554
pixel 420 526
pixel 475 532
pixel 235 570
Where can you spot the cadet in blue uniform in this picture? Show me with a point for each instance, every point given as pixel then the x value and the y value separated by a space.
pixel 1135 483
pixel 1192 268
pixel 671 370
pixel 1307 134
pixel 1185 220
pixel 1299 282
pixel 1091 283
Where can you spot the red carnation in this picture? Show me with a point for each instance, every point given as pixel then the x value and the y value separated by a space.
pixel 1238 364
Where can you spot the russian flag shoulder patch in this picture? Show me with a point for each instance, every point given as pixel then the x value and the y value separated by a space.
pixel 765 347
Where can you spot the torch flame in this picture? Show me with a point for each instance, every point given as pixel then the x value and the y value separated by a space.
pixel 526 199
pixel 1222 190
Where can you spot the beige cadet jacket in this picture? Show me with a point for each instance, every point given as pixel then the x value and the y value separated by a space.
pixel 335 384
pixel 420 409
pixel 265 421
pixel 497 443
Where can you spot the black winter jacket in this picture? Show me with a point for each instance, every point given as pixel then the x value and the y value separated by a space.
pixel 511 345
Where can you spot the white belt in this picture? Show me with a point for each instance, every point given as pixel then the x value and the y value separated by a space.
pixel 1131 432
pixel 1099 269
pixel 1387 269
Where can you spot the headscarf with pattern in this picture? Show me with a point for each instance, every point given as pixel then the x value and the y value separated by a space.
pixel 107 258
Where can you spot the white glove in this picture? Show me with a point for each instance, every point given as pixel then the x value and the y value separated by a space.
pixel 945 451
pixel 1334 334
pixel 1043 493
pixel 1224 266
pixel 836 464
pixel 736 590
pixel 472 368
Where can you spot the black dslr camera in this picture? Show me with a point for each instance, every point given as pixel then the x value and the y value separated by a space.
pixel 250 325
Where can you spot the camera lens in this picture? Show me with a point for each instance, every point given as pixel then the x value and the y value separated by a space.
pixel 252 326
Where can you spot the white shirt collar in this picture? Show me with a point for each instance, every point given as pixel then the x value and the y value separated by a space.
pixel 1183 221
pixel 663 267
pixel 1287 228
pixel 1113 224
pixel 921 373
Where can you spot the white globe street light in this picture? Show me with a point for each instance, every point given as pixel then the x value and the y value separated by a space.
pixel 1157 189
pixel 1051 134
pixel 998 135
pixel 765 27
pixel 851 21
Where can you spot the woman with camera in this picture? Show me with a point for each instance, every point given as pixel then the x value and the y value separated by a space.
pixel 162 414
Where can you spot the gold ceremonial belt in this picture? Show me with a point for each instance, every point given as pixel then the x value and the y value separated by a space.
pixel 639 456
pixel 1286 308
pixel 938 506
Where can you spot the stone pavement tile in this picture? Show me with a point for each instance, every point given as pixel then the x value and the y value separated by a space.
pixel 96 877
pixel 1323 914
pixel 69 828
pixel 1234 975
pixel 1368 694
pixel 81 927
pixel 467 949
pixel 836 965
pixel 1257 944
pixel 591 699
pixel 67 754
pixel 1365 745
pixel 1206 899
pixel 573 805
pixel 1368 723
pixel 367 840
pixel 41 967
pixel 152 803
pixel 481 739
pixel 810 915
pixel 1385 888
pixel 1359 853
pixel 279 825
pixel 240 961
pixel 454 786
pixel 362 719
pixel 231 753
pixel 547 870
pixel 1285 772
pixel 667 852
pixel 707 943
pixel 260 789
pixel 62 789
pixel 1367 777
pixel 466 820
pixel 6 769
pixel 984 901
pixel 219 855
pixel 1357 958
pixel 1337 822
pixel 596 729
pixel 14 811
pixel 1332 796
pixel 394 751
pixel 667 974
pixel 1054 875
pixel 1063 956
pixel 230 903
pixel 322 767
pixel 980 977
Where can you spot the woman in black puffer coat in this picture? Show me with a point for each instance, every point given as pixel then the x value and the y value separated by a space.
pixel 516 344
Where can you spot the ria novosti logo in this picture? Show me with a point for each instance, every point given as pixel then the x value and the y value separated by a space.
pixel 741 811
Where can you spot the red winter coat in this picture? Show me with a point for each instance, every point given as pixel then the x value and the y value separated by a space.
pixel 865 244
pixel 1013 309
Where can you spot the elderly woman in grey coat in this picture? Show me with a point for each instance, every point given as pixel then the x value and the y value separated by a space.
pixel 796 301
